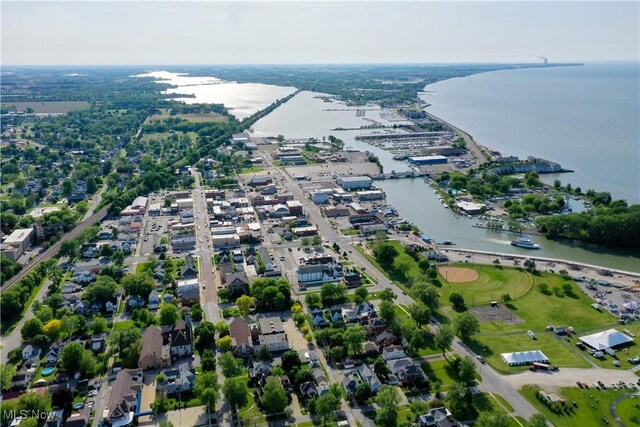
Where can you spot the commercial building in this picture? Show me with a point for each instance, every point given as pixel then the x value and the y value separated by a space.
pixel 370 195
pixel 470 207
pixel 354 182
pixel 17 242
pixel 428 160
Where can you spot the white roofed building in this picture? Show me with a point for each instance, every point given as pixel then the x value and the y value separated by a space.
pixel 606 339
pixel 520 358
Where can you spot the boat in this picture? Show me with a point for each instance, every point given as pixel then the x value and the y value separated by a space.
pixel 525 243
pixel 447 243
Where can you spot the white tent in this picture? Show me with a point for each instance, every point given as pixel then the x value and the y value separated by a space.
pixel 606 339
pixel 524 358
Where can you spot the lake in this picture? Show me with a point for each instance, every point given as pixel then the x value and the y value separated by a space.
pixel 242 99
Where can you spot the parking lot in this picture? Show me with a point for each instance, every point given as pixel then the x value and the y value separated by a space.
pixel 153 229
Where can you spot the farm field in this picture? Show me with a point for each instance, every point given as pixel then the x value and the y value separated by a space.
pixel 589 408
pixel 193 118
pixel 49 107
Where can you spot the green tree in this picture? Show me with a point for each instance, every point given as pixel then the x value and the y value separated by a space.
pixel 537 420
pixel 205 334
pixel 380 368
pixel 387 295
pixel 6 374
pixel 264 354
pixel 138 284
pixel 361 294
pixel 101 291
pixel 208 361
pixel 327 406
pixel 231 367
pixel 31 328
pixel 235 391
pixel 275 398
pixel 388 313
pixel 224 344
pixel 313 300
pixel 388 399
pixel 71 357
pixel 291 361
pixel 420 313
pixel 244 304
pixel 467 371
pixel 459 401
pixel 169 314
pixel 207 389
pixel 466 325
pixel 457 300
pixel 443 338
pixel 385 253
pixel 354 337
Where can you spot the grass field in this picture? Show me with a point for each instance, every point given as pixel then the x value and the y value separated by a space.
pixel 193 118
pixel 430 347
pixel 623 353
pixel 123 326
pixel 590 406
pixel 627 409
pixel 51 107
pixel 442 372
pixel 491 346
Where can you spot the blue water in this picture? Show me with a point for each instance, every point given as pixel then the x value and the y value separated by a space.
pixel 587 118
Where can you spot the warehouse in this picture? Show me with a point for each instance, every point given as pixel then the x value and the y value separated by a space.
pixel 428 160
pixel 355 182
pixel 17 242
pixel 370 195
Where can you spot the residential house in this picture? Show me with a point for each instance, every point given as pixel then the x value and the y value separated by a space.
pixel 352 279
pixel 335 315
pixel 99 343
pixel 360 313
pixel 179 338
pixel 177 380
pixel 375 326
pixel 318 319
pixel 350 383
pixel 189 269
pixel 241 337
pixel 123 399
pixel 30 352
pixel 368 376
pixel 188 290
pixel 308 390
pixel 260 369
pixel 79 419
pixel 153 353
pixel 154 300
pixel 393 352
pixel 437 417
pixel 407 371
pixel 272 334
pixel 52 355
pixel 237 283
pixel 371 348
pixel 385 339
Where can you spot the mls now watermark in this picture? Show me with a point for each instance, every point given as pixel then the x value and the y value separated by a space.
pixel 25 413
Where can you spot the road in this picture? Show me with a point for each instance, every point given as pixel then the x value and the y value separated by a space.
pixel 14 339
pixel 204 251
pixel 45 255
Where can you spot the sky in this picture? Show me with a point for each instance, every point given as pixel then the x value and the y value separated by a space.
pixel 179 32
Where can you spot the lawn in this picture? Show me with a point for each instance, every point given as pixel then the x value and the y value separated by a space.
pixel 440 371
pixel 491 346
pixel 492 283
pixel 250 413
pixel 124 325
pixel 350 232
pixel 589 408
pixel 627 409
pixel 539 310
pixel 252 169
pixel 430 347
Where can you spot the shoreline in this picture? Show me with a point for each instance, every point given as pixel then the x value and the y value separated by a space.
pixel 567 263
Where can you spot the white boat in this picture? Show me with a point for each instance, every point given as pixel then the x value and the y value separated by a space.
pixel 525 243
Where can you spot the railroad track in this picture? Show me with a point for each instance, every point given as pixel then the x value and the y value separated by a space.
pixel 53 249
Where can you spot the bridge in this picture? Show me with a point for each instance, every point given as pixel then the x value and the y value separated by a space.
pixel 399 175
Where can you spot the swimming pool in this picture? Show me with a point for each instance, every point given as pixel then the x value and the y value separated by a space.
pixel 47 371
